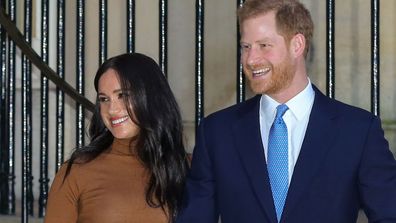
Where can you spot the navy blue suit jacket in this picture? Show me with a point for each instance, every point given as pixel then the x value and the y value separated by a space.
pixel 344 164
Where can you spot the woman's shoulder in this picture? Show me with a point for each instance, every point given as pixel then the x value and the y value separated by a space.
pixel 77 168
pixel 73 177
pixel 73 173
pixel 66 173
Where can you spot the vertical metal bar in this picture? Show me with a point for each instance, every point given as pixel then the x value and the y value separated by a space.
pixel 3 114
pixel 163 38
pixel 199 58
pixel 131 26
pixel 240 77
pixel 60 67
pixel 80 69
pixel 27 178
pixel 330 75
pixel 44 111
pixel 11 116
pixel 375 57
pixel 102 31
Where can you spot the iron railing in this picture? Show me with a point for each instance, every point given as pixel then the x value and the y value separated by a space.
pixel 10 37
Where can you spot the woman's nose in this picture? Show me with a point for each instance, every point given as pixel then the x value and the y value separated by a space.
pixel 115 106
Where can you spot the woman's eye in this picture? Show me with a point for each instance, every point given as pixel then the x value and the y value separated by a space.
pixel 122 95
pixel 102 99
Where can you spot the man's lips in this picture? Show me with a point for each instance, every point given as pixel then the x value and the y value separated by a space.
pixel 260 72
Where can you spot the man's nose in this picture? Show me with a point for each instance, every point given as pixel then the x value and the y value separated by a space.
pixel 253 57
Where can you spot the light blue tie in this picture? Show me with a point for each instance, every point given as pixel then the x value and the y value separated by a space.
pixel 278 160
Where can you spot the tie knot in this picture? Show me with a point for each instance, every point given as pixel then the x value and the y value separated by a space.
pixel 280 110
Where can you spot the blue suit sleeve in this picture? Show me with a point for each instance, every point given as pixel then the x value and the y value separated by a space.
pixel 199 204
pixel 377 177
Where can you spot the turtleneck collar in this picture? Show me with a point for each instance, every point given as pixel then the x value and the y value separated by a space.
pixel 122 147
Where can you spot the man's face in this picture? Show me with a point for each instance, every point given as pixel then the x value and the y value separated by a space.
pixel 266 59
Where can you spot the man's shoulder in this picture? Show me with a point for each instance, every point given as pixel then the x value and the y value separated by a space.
pixel 341 108
pixel 235 110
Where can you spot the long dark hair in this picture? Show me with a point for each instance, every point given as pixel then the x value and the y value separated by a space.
pixel 159 144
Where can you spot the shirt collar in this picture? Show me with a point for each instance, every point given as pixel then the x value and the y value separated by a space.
pixel 299 105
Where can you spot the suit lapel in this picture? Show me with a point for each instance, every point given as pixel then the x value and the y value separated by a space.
pixel 249 146
pixel 318 139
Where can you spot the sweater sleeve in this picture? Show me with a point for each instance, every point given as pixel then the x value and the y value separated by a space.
pixel 62 205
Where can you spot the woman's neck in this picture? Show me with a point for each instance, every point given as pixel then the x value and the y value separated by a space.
pixel 123 146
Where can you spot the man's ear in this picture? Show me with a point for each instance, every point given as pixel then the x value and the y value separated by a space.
pixel 297 45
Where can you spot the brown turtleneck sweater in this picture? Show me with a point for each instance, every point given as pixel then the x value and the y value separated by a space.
pixel 110 188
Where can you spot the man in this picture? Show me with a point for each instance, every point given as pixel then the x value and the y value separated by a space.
pixel 290 154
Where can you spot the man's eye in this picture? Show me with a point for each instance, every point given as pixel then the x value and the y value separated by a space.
pixel 264 45
pixel 245 46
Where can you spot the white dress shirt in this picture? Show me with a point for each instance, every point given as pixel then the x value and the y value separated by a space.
pixel 296 119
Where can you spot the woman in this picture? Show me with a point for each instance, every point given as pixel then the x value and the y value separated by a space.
pixel 134 168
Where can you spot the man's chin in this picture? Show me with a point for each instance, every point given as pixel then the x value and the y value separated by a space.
pixel 258 89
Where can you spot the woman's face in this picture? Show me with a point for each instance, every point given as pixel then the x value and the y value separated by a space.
pixel 112 107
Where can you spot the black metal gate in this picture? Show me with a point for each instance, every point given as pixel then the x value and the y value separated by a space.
pixel 11 39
